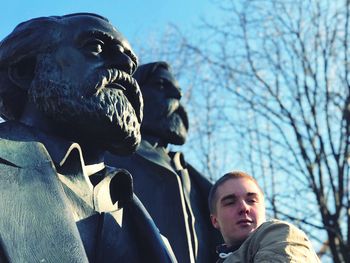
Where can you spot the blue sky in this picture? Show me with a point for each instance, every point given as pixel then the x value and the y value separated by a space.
pixel 134 18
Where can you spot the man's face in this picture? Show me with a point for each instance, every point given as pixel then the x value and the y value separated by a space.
pixel 85 84
pixel 164 116
pixel 240 209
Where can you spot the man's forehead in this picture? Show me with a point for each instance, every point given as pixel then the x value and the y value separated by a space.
pixel 163 73
pixel 85 25
pixel 237 187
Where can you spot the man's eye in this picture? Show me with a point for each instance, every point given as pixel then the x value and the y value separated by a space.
pixel 94 46
pixel 252 200
pixel 230 202
pixel 159 83
pixel 120 48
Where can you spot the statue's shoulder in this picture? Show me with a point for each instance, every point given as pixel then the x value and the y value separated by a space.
pixel 19 145
pixel 200 180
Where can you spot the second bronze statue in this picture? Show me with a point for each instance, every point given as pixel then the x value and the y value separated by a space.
pixel 174 193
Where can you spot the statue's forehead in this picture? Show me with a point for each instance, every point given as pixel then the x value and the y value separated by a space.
pixel 164 74
pixel 78 26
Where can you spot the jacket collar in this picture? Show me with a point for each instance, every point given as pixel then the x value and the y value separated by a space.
pixel 224 251
pixel 155 154
pixel 58 148
pixel 69 163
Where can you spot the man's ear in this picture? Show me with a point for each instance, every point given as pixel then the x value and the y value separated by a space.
pixel 22 72
pixel 214 221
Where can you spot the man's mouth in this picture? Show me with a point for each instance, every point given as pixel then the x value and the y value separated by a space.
pixel 115 86
pixel 244 222
pixel 183 115
pixel 121 80
pixel 175 107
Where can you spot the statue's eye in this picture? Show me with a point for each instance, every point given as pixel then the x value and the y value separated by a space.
pixel 120 48
pixel 94 46
pixel 160 83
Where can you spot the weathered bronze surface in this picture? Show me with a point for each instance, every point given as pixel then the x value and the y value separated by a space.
pixel 173 192
pixel 67 94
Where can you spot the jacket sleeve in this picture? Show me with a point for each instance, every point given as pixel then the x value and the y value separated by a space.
pixel 278 241
pixel 35 223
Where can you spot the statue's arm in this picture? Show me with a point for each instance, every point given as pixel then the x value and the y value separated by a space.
pixel 35 222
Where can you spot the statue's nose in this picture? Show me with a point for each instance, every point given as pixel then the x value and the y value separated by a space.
pixel 122 61
pixel 174 91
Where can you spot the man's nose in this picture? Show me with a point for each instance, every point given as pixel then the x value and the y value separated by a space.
pixel 243 207
pixel 122 61
pixel 174 91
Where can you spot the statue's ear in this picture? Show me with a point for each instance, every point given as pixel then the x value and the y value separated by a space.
pixel 22 72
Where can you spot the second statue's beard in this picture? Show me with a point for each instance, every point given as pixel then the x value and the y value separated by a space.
pixel 175 129
pixel 169 126
pixel 104 118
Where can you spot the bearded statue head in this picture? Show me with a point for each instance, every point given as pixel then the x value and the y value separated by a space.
pixel 164 116
pixel 76 70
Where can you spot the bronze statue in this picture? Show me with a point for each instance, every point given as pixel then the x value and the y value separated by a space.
pixel 67 94
pixel 173 192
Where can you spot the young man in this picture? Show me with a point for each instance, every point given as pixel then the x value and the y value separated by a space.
pixel 237 208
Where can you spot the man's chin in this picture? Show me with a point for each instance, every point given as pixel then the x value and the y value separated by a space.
pixel 169 135
pixel 121 141
pixel 176 130
pixel 177 138
pixel 103 135
pixel 126 147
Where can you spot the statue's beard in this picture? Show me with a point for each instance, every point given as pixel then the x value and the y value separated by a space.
pixel 104 118
pixel 170 126
pixel 176 129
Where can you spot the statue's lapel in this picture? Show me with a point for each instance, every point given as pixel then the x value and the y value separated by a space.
pixel 156 156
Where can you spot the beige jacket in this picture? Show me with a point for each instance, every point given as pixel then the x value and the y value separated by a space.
pixel 275 241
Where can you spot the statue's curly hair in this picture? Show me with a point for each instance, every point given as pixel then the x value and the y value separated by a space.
pixel 20 49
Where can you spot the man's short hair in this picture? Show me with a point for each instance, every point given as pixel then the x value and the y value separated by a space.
pixel 145 71
pixel 21 48
pixel 212 199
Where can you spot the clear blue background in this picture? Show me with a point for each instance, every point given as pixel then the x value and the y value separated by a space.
pixel 134 18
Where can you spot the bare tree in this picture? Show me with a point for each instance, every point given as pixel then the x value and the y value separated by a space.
pixel 284 66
